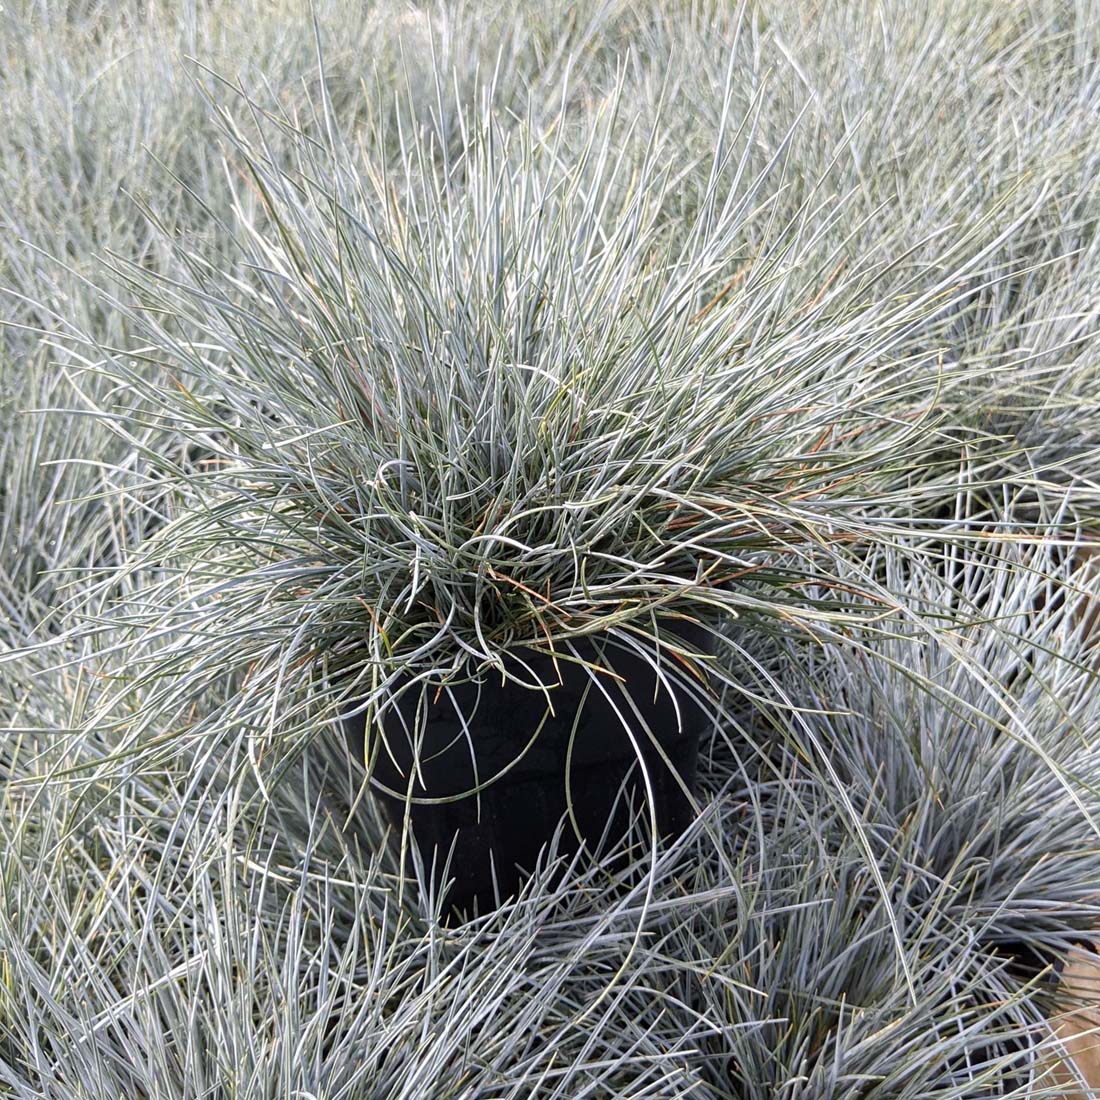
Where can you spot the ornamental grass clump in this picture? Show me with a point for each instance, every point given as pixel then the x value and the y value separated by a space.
pixel 968 760
pixel 452 420
pixel 971 756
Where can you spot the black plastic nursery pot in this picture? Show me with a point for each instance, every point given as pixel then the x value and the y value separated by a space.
pixel 533 765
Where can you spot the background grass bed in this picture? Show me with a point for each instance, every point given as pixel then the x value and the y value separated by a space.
pixel 801 299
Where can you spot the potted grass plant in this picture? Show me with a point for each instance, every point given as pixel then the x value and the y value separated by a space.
pixel 492 460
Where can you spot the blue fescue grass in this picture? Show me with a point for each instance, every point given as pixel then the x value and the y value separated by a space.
pixel 345 340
